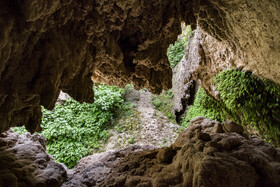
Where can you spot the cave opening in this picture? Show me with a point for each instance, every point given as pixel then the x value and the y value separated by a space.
pixel 119 117
pixel 221 84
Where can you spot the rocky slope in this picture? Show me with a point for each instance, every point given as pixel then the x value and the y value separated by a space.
pixel 144 126
pixel 208 153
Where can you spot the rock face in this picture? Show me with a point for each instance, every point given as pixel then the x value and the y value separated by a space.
pixel 184 83
pixel 92 170
pixel 48 46
pixel 62 98
pixel 208 153
pixel 24 162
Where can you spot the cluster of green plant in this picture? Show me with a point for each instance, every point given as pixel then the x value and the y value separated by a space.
pixel 175 52
pixel 204 105
pixel 245 99
pixel 251 101
pixel 163 103
pixel 73 130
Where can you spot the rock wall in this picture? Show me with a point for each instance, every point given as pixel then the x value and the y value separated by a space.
pixel 48 46
pixel 249 29
pixel 184 84
pixel 24 162
pixel 207 153
pixel 236 34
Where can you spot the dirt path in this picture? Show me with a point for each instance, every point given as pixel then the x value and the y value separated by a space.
pixel 156 128
pixel 146 126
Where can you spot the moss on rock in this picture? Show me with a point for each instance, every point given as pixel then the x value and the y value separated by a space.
pixel 204 105
pixel 244 99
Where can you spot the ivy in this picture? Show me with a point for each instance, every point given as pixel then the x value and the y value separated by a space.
pixel 73 130
pixel 245 99
pixel 204 105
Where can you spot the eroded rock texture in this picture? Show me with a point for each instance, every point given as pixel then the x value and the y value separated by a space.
pixel 48 46
pixel 208 153
pixel 24 162
pixel 236 34
pixel 184 83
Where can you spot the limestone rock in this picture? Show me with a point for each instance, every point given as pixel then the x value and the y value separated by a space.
pixel 199 157
pixel 184 85
pixel 62 98
pixel 48 46
pixel 92 170
pixel 24 162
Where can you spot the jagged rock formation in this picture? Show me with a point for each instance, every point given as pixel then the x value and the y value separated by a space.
pixel 184 84
pixel 208 153
pixel 24 162
pixel 62 98
pixel 48 46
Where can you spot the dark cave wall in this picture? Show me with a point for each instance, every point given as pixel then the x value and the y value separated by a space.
pixel 51 46
pixel 48 46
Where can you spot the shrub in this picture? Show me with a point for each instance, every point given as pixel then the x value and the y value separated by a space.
pixel 244 99
pixel 175 52
pixel 73 129
pixel 204 105
pixel 163 103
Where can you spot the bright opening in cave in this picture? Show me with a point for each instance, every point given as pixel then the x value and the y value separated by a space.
pixel 216 123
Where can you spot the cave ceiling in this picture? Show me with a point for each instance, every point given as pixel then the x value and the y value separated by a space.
pixel 48 46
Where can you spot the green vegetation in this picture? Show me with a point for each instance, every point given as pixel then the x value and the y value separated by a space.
pixel 251 101
pixel 245 99
pixel 204 105
pixel 73 130
pixel 175 52
pixel 163 103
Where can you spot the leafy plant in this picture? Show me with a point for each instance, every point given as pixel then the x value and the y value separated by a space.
pixel 73 129
pixel 253 101
pixel 163 103
pixel 245 99
pixel 131 140
pixel 204 105
pixel 175 52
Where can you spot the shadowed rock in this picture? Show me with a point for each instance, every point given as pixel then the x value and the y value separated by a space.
pixel 24 162
pixel 48 46
pixel 199 157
